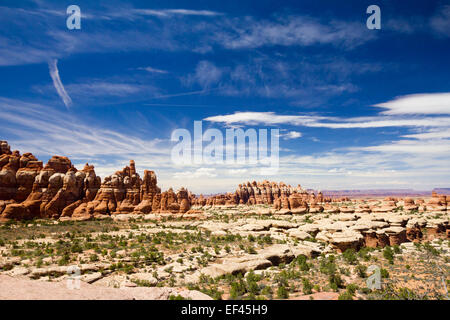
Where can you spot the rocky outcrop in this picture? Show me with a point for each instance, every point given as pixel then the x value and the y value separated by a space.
pixel 17 173
pixel 282 197
pixel 58 190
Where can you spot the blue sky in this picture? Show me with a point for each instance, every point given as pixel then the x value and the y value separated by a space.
pixel 356 108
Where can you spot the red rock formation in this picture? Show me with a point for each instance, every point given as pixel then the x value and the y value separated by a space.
pixel 29 190
pixel 4 148
pixel 8 183
pixel 59 164
pixel 25 177
pixel 280 195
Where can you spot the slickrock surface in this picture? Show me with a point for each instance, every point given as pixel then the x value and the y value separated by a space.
pixel 23 289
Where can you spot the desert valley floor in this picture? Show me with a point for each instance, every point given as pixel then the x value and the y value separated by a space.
pixel 237 253
pixel 123 238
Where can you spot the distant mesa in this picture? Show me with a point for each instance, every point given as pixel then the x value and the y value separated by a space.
pixel 437 191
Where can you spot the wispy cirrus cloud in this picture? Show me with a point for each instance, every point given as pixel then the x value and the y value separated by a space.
pixel 43 130
pixel 206 74
pixel 437 25
pixel 110 90
pixel 174 12
pixel 292 31
pixel 114 29
pixel 153 70
pixel 57 83
pixel 440 22
pixel 298 79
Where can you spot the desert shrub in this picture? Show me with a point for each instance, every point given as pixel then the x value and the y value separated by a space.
pixel 384 273
pixel 349 256
pixel 364 253
pixel 345 296
pixel 301 262
pixel 251 250
pixel 65 259
pixel 93 258
pixel 267 291
pixel 335 282
pixel 307 286
pixel 213 292
pixel 76 248
pixel 397 249
pixel 327 265
pixel 237 289
pixel 282 293
pixel 351 288
pixel 429 248
pixel 388 254
pixel 361 270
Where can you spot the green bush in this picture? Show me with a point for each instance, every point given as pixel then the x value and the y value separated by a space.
pixel 361 270
pixel 267 291
pixel 307 286
pixel 351 288
pixel 428 247
pixel 301 262
pixel 345 296
pixel 335 282
pixel 237 289
pixel 388 254
pixel 76 248
pixel 327 265
pixel 384 273
pixel 93 258
pixel 282 293
pixel 349 255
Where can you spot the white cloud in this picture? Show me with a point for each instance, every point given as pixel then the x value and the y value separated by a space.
pixel 440 22
pixel 419 160
pixel 237 171
pixel 43 130
pixel 413 147
pixel 200 172
pixel 54 74
pixel 105 91
pixel 153 70
pixel 431 134
pixel 268 118
pixel 291 135
pixel 271 118
pixel 194 12
pixel 294 30
pixel 193 30
pixel 96 88
pixel 206 74
pixel 166 12
pixel 431 103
